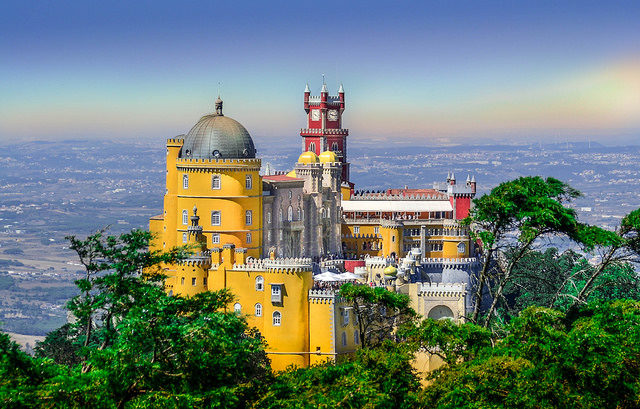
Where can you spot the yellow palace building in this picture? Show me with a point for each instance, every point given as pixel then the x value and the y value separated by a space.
pixel 266 236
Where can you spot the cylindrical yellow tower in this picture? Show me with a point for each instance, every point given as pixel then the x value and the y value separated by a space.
pixel 391 232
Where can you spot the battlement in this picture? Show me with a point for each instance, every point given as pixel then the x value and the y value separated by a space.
pixel 175 141
pixel 449 262
pixel 325 131
pixel 381 195
pixel 219 161
pixel 200 259
pixel 284 265
pixel 451 290
pixel 323 296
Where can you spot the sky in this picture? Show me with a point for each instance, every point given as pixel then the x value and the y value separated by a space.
pixel 419 72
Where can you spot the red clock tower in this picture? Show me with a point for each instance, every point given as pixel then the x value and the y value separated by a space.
pixel 324 130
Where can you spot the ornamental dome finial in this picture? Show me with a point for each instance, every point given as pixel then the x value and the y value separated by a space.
pixel 218 105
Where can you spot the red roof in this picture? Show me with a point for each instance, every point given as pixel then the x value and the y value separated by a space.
pixel 280 178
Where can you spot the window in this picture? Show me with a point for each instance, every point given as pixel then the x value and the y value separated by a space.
pixel 281 234
pixel 356 337
pixel 185 181
pixel 248 238
pixel 461 247
pixel 276 293
pixel 269 236
pixel 248 182
pixel 215 182
pixel 185 217
pixel 280 215
pixel 259 283
pixel 299 213
pixel 269 217
pixel 182 281
pixel 193 281
pixel 248 217
pixel 344 339
pixel 215 218
pixel 184 237
pixel 258 310
pixel 393 239
pixel 290 214
pixel 328 212
pixel 312 147
pixel 215 238
pixel 237 308
pixel 356 229
pixel 277 318
pixel 334 146
pixel 204 281
pixel 290 194
pixel 324 213
pixel 345 316
pixel 376 230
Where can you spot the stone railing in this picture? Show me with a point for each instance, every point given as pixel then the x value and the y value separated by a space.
pixel 455 290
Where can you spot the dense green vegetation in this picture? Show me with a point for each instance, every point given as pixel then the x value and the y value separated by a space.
pixel 562 331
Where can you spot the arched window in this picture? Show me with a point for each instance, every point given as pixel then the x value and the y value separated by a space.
pixel 324 213
pixel 280 215
pixel 334 146
pixel 461 247
pixel 299 213
pixel 277 318
pixel 215 218
pixel 312 147
pixel 215 182
pixel 258 310
pixel 356 337
pixel 185 217
pixel 259 283
pixel 237 308
pixel 248 217
pixel 248 182
pixel 290 213
pixel 344 339
pixel 185 181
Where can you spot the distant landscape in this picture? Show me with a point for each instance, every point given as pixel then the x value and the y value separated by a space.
pixel 51 190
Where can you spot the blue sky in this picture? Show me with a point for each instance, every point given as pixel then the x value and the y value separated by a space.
pixel 414 72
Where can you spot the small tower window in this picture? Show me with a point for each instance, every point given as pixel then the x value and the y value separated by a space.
pixel 269 217
pixel 259 283
pixel 248 217
pixel 290 194
pixel 290 213
pixel 185 217
pixel 324 213
pixel 299 213
pixel 215 182
pixel 356 337
pixel 269 236
pixel 237 308
pixel 334 146
pixel 461 247
pixel 356 229
pixel 277 318
pixel 280 215
pixel 344 339
pixel 312 147
pixel 248 182
pixel 258 310
pixel 185 181
pixel 215 238
pixel 248 238
pixel 184 237
pixel 193 281
pixel 215 218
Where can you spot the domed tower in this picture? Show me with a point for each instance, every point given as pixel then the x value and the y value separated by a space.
pixel 214 168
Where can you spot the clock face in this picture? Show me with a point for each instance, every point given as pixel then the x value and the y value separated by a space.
pixel 332 115
pixel 315 115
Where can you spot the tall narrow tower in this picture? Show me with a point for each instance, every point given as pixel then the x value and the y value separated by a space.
pixel 324 130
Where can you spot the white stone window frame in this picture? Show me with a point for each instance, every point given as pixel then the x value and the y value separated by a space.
pixel 185 181
pixel 248 238
pixel 216 182
pixel 259 283
pixel 216 217
pixel 257 310
pixel 276 319
pixel 248 217
pixel 248 182
pixel 215 238
pixel 185 217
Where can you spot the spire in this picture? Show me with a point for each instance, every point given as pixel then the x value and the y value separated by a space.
pixel 453 176
pixel 306 89
pixel 218 105
pixel 468 178
pixel 324 85
pixel 341 89
pixel 473 179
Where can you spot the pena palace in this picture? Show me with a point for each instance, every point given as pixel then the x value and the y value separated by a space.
pixel 284 241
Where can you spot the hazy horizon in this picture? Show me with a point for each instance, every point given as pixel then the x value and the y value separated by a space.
pixel 433 73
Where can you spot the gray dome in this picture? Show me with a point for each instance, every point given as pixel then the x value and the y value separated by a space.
pixel 218 136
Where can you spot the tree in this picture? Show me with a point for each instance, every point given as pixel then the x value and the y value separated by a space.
pixel 378 311
pixel 376 378
pixel 554 280
pixel 529 207
pixel 585 360
pixel 112 283
pixel 59 346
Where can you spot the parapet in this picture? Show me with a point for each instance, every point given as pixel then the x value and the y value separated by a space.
pixel 451 290
pixel 323 296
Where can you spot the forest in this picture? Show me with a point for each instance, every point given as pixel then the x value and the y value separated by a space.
pixel 550 329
